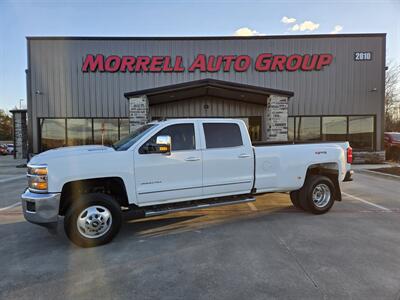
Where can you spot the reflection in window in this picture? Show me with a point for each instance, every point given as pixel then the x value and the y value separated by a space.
pixel 105 131
pixel 361 132
pixel 290 128
pixel 79 132
pixel 222 135
pixel 52 133
pixel 255 128
pixel 334 128
pixel 308 128
pixel 123 128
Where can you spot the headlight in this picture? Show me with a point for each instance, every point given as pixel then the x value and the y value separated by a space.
pixel 37 178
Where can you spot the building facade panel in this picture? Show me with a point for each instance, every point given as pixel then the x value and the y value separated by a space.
pixel 59 89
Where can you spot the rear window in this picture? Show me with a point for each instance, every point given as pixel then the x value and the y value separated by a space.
pixel 222 135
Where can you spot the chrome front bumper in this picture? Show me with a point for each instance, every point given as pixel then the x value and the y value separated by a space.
pixel 41 209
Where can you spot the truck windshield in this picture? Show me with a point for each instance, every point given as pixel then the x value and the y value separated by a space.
pixel 129 140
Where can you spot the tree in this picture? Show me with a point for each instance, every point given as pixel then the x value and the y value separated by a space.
pixel 392 97
pixel 5 126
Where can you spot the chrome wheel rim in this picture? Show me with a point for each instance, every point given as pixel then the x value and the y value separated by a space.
pixel 94 221
pixel 321 195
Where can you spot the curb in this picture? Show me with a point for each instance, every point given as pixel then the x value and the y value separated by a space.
pixel 379 174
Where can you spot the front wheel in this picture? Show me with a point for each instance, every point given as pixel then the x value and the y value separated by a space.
pixel 93 220
pixel 317 194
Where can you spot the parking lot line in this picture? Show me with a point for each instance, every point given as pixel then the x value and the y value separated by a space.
pixel 10 206
pixel 367 202
pixel 12 178
pixel 252 206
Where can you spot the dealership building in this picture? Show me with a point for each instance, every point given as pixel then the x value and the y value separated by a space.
pixel 85 90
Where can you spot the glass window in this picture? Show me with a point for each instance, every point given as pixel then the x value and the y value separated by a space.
pixel 361 132
pixel 182 137
pixel 105 131
pixel 52 133
pixel 334 128
pixel 308 128
pixel 255 128
pixel 123 128
pixel 132 138
pixel 79 132
pixel 221 135
pixel 290 128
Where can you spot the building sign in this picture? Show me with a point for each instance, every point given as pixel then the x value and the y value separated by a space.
pixel 360 56
pixel 265 62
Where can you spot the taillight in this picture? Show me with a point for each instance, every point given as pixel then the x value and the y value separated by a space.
pixel 349 155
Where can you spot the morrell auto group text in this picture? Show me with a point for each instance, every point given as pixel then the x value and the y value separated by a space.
pixel 264 62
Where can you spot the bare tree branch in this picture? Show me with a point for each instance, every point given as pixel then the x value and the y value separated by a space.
pixel 392 96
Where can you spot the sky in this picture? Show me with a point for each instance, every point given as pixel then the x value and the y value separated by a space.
pixel 21 18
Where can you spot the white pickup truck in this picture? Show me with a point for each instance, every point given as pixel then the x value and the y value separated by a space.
pixel 171 166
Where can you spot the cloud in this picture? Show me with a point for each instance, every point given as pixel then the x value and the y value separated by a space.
pixel 295 27
pixel 337 29
pixel 288 20
pixel 305 26
pixel 246 31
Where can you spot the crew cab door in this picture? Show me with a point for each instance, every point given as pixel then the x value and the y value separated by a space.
pixel 228 160
pixel 176 176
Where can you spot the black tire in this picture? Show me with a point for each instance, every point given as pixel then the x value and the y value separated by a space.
pixel 295 198
pixel 101 203
pixel 306 194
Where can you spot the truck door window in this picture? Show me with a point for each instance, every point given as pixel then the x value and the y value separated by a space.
pixel 182 137
pixel 222 135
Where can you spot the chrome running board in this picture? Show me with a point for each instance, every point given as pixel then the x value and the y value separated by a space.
pixel 201 204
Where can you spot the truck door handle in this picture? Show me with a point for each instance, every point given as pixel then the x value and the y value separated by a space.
pixel 192 158
pixel 244 155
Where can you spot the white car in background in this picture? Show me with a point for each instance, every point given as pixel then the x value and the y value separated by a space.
pixel 10 148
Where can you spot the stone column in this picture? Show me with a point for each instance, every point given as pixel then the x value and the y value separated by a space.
pixel 20 133
pixel 277 118
pixel 138 112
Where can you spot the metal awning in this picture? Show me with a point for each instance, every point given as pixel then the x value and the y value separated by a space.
pixel 209 87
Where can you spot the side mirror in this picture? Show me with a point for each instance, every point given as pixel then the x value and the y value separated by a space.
pixel 163 143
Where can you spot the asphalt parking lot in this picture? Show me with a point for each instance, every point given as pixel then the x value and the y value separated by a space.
pixel 262 250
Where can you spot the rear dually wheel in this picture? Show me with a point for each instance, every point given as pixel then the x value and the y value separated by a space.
pixel 317 194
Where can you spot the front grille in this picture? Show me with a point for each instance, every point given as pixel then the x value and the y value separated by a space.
pixel 30 206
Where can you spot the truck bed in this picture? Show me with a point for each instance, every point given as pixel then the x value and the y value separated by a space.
pixel 284 166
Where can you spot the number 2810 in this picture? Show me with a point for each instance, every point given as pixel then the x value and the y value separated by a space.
pixel 358 56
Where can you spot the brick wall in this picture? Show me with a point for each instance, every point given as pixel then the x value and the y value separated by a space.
pixel 277 118
pixel 20 134
pixel 138 112
pixel 376 157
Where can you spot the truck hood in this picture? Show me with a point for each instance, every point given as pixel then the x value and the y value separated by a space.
pixel 65 152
